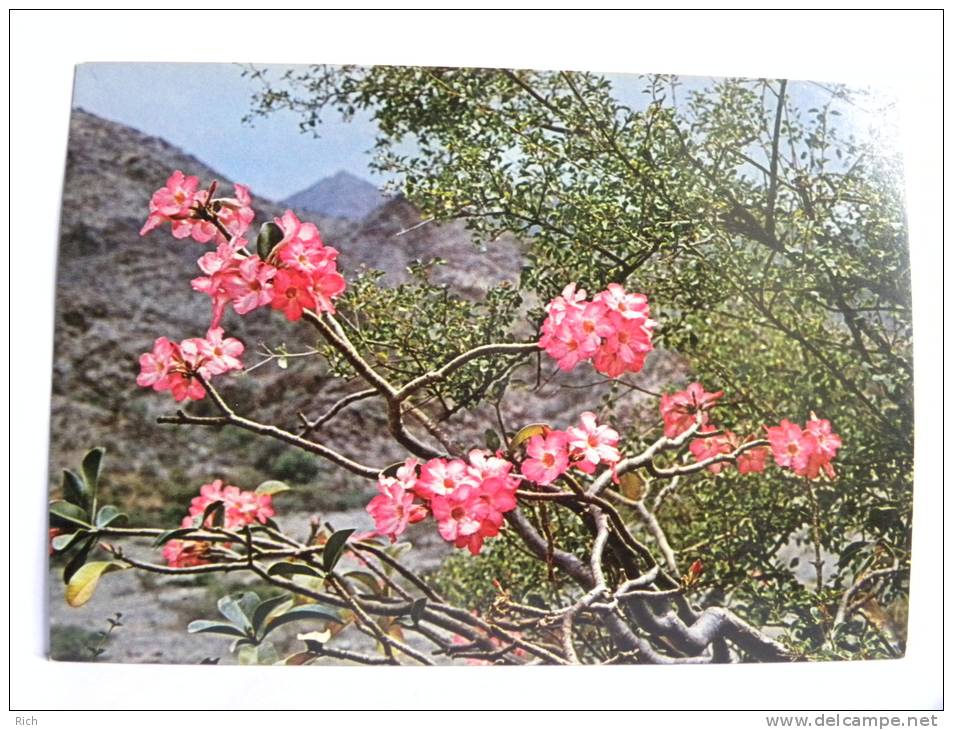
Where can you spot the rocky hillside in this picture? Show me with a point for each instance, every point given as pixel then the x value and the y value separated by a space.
pixel 342 195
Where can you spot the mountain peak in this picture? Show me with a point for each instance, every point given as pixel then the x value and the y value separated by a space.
pixel 342 195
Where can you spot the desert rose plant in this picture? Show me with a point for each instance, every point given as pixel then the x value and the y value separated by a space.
pixel 626 598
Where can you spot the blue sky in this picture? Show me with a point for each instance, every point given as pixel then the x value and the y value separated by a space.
pixel 199 107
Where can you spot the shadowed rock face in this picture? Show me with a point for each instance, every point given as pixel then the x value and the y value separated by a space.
pixel 342 195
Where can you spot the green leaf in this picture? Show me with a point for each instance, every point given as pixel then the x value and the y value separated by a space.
pixel 334 548
pixel 231 609
pixel 64 512
pixel 365 579
pixel 291 569
pixel 299 613
pixel 272 487
pixel 492 439
pixel 61 543
pixel 248 602
pixel 214 627
pixel 172 535
pixel 74 490
pixel 266 608
pixel 269 235
pixel 109 514
pixel 92 466
pixel 214 514
pixel 526 433
pixel 78 560
pixel 391 470
pixel 417 609
pixel 83 584
pixel 632 486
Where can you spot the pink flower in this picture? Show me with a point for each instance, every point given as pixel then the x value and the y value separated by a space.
pixel 486 465
pixel 185 553
pixel 826 445
pixel 325 286
pixel 679 409
pixel 155 366
pixel 208 493
pixel 591 444
pixel 305 257
pixel 613 330
pixel 547 458
pixel 236 214
pixel 443 476
pixel 187 209
pixel 246 507
pixel 393 509
pixel 706 448
pixel 752 460
pixel 171 202
pixel 221 354
pixel 629 306
pixel 624 350
pixel 792 447
pixel 241 507
pixel 218 266
pixel 291 293
pixel 170 368
pixel 250 285
pixel 456 512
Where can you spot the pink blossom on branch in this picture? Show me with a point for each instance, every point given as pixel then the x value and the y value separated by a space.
pixel 221 354
pixel 592 444
pixel 240 508
pixel 808 451
pixel 613 330
pixel 715 445
pixel 547 457
pixel 680 409
pixel 443 476
pixel 176 367
pixel 186 208
pixel 291 293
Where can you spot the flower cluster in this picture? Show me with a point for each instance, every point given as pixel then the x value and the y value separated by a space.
pixel 682 409
pixel 191 211
pixel 467 498
pixel 294 273
pixel 679 410
pixel 174 366
pixel 298 273
pixel 725 442
pixel 584 447
pixel 239 507
pixel 613 330
pixel 806 451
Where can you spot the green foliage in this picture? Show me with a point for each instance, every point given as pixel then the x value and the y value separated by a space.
pixel 295 466
pixel 251 619
pixel 415 327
